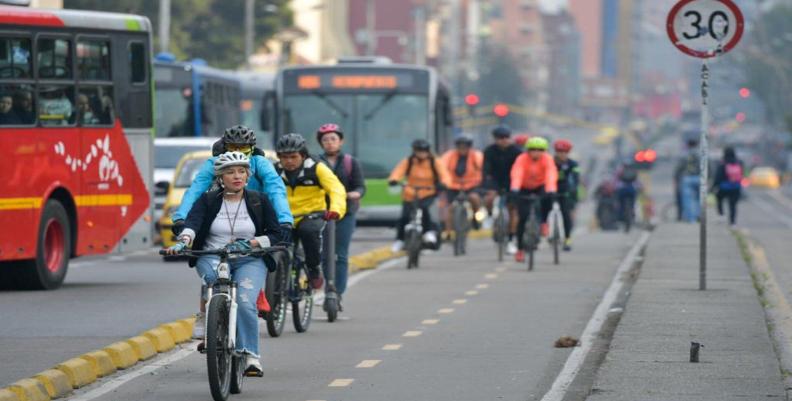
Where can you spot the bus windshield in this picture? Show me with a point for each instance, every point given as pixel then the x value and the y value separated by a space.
pixel 378 127
pixel 173 113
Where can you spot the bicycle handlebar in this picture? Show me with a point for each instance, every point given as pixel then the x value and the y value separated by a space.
pixel 225 252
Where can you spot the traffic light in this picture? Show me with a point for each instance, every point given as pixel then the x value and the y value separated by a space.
pixel 745 93
pixel 472 100
pixel 501 110
pixel 644 159
pixel 740 117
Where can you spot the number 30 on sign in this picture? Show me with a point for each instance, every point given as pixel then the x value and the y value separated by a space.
pixel 704 28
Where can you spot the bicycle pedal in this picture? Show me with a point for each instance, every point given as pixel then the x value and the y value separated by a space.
pixel 254 373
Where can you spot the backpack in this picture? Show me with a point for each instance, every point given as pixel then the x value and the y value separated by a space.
pixel 734 172
pixel 431 163
pixel 347 165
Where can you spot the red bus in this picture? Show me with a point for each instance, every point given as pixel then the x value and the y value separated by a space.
pixel 76 140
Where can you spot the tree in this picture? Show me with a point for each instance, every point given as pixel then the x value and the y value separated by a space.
pixel 209 29
pixel 499 80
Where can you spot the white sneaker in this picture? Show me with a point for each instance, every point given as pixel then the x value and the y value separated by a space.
pixel 199 327
pixel 397 246
pixel 253 365
pixel 487 223
pixel 511 247
pixel 430 237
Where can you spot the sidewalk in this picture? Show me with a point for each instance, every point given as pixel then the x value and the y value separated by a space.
pixel 649 355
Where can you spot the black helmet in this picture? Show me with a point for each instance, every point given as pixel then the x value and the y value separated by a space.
pixel 239 135
pixel 291 143
pixel 464 139
pixel 501 131
pixel 421 144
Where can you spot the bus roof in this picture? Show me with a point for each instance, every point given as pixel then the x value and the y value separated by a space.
pixel 14 15
pixel 357 66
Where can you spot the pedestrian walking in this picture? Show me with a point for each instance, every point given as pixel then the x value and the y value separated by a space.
pixel 727 184
pixel 687 174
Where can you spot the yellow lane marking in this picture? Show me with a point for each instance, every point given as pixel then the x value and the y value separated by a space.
pixel 482 286
pixel 491 276
pixel 445 311
pixel 471 292
pixel 368 363
pixel 340 382
pixel 412 333
pixel 459 301
pixel 430 321
pixel 20 203
pixel 391 347
pixel 103 200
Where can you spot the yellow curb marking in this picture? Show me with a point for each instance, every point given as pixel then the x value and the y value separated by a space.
pixel 340 382
pixel 471 292
pixel 490 276
pixel 430 321
pixel 445 311
pixel 368 363
pixel 412 333
pixel 391 347
pixel 482 286
pixel 55 381
pixel 459 301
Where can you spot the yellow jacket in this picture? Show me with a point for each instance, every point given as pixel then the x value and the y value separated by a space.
pixel 312 186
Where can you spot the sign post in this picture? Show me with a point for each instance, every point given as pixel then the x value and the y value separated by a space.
pixel 704 29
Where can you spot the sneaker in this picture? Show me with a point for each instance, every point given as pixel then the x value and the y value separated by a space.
pixel 519 256
pixel 397 246
pixel 511 247
pixel 199 327
pixel 253 367
pixel 430 237
pixel 261 303
pixel 487 223
pixel 567 245
pixel 315 277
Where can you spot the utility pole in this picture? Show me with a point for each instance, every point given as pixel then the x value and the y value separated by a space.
pixel 371 37
pixel 164 25
pixel 249 31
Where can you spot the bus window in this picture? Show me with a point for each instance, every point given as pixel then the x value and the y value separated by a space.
pixel 15 58
pixel 137 62
pixel 55 105
pixel 54 58
pixel 93 60
pixel 94 106
pixel 16 105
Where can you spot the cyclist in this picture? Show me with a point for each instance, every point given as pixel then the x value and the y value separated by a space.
pixel 263 178
pixel 309 183
pixel 568 180
pixel 464 165
pixel 349 172
pixel 498 161
pixel 237 219
pixel 728 183
pixel 420 169
pixel 534 173
pixel 627 187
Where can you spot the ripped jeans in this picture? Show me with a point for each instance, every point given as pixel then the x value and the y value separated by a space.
pixel 249 273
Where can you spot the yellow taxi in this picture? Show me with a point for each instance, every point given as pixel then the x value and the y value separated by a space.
pixel 764 177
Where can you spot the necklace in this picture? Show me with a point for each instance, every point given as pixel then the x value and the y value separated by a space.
pixel 236 214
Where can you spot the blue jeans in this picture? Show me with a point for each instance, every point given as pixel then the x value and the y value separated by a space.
pixel 690 198
pixel 249 273
pixel 344 229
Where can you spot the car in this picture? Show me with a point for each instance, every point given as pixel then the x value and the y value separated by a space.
pixel 167 153
pixel 765 177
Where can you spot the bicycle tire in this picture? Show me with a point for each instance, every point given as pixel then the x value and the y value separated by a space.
pixel 532 232
pixel 218 356
pixel 556 240
pixel 237 373
pixel 460 229
pixel 277 290
pixel 500 235
pixel 413 245
pixel 302 305
pixel 331 307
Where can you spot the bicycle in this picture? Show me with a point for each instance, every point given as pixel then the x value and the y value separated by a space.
pixel 500 228
pixel 413 231
pixel 532 232
pixel 555 219
pixel 225 367
pixel 460 222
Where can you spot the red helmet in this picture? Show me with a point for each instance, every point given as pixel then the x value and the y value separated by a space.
pixel 521 139
pixel 562 145
pixel 328 128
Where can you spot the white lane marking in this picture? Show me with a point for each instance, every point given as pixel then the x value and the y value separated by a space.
pixel 471 292
pixel 368 363
pixel 190 348
pixel 578 355
pixel 482 286
pixel 412 333
pixel 459 301
pixel 490 276
pixel 119 381
pixel 392 347
pixel 429 321
pixel 500 269
pixel 340 382
pixel 445 311
pixel 776 213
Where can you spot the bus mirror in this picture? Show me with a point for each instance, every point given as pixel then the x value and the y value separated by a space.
pixel 161 188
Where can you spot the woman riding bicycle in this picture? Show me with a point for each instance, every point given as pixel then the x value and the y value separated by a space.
pixel 533 173
pixel 236 219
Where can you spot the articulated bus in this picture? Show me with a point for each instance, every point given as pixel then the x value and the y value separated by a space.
pixel 76 136
pixel 382 108
pixel 257 104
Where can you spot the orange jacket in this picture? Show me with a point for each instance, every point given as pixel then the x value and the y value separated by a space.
pixel 421 175
pixel 529 174
pixel 472 177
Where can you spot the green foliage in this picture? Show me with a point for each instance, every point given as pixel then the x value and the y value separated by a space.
pixel 209 29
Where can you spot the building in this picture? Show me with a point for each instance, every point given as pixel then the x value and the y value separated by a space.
pixel 385 28
pixel 588 19
pixel 564 53
pixel 324 22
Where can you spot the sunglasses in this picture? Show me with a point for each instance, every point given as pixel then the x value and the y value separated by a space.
pixel 233 147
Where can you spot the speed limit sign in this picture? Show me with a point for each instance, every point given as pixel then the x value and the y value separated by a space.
pixel 704 28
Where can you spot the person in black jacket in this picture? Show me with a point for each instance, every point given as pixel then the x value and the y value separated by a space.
pixel 498 160
pixel 236 219
pixel 728 183
pixel 349 172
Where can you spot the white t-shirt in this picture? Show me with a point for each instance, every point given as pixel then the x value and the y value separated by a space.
pixel 220 230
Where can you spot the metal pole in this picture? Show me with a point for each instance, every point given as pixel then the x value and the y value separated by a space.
pixel 164 25
pixel 249 31
pixel 371 38
pixel 704 167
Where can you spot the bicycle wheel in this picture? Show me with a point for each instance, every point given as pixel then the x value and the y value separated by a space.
pixel 276 291
pixel 331 307
pixel 531 238
pixel 460 229
pixel 302 302
pixel 556 240
pixel 413 245
pixel 237 373
pixel 500 235
pixel 218 354
pixel 629 215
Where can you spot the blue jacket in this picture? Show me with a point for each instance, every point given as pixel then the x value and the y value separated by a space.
pixel 263 179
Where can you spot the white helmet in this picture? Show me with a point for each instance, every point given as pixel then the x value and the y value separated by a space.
pixel 230 159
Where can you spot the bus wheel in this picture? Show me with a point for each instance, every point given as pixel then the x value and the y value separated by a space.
pixel 48 270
